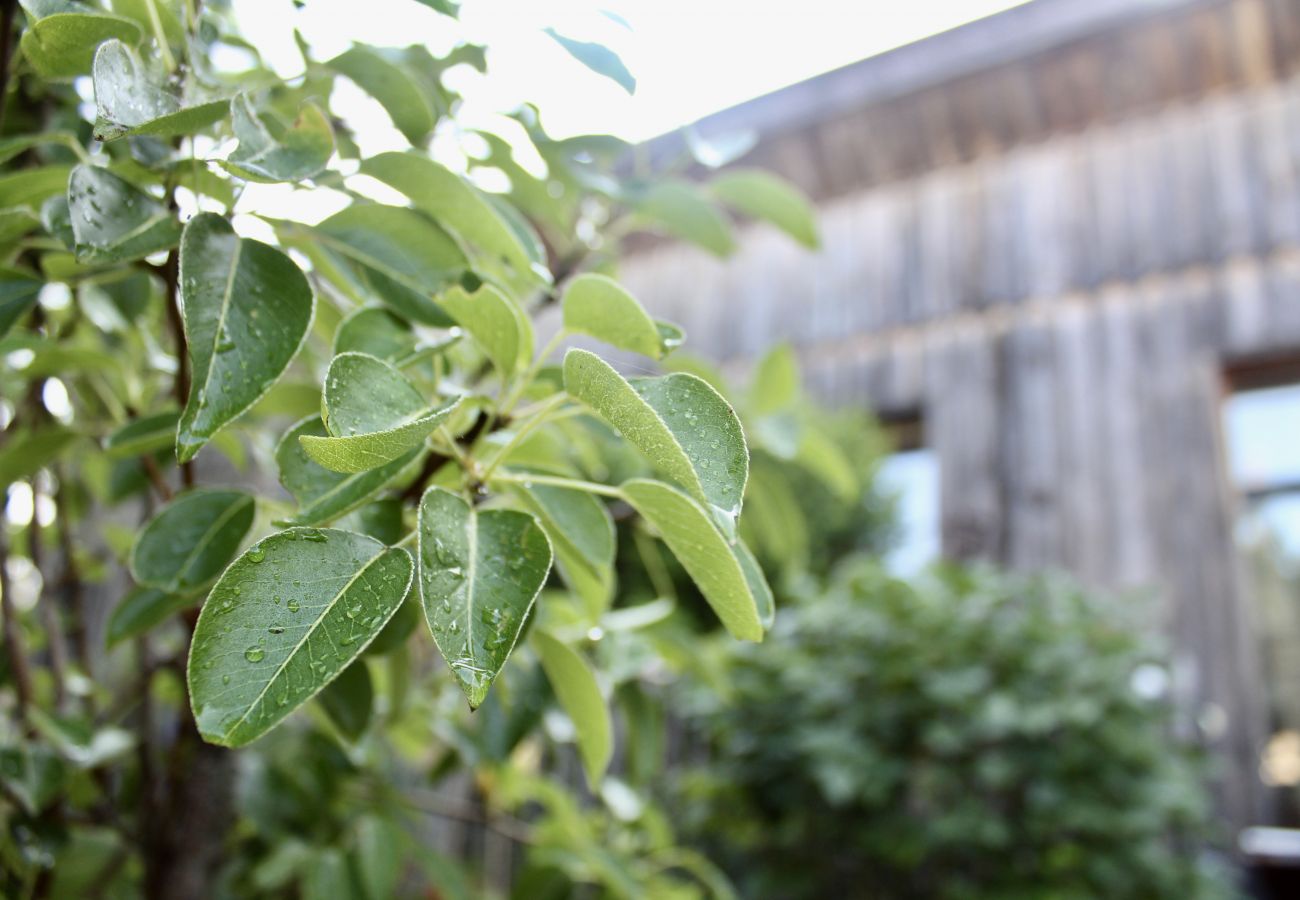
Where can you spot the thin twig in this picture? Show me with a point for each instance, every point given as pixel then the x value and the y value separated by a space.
pixel 13 636
pixel 7 8
pixel 156 477
pixel 49 613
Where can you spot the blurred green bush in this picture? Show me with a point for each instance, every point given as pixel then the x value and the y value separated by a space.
pixel 969 735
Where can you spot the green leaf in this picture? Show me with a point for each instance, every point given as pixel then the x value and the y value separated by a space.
pixel 247 309
pixel 33 775
pixel 324 495
pixel 141 610
pixel 373 414
pixel 683 211
pixel 381 847
pixel 145 435
pixel 733 588
pixel 28 452
pixel 496 323
pixel 764 602
pixel 269 152
pixel 15 223
pixel 764 196
pixel 142 12
pixel 62 44
pixel 599 306
pixel 686 429
pixel 398 629
pixel 576 688
pixel 459 207
pixel 113 221
pixel 397 254
pixel 188 544
pixel 599 58
pixel 582 535
pixel 349 700
pixel 32 187
pixel 396 90
pixel 284 620
pixel 775 385
pixel 18 292
pixel 131 99
pixel 375 331
pixel 480 572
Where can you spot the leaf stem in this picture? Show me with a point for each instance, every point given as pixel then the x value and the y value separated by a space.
pixel 517 392
pixel 544 411
pixel 573 484
pixel 155 22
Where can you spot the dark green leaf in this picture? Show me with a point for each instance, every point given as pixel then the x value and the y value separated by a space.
pixel 27 452
pixel 145 435
pixel 599 58
pixel 575 686
pixel 113 221
pixel 582 536
pixel 398 629
pixel 284 620
pixel 141 610
pixel 188 544
pixel 712 562
pixel 349 700
pixel 324 495
pixel 375 331
pixel 18 292
pixel 247 308
pixel 480 572
pixel 373 414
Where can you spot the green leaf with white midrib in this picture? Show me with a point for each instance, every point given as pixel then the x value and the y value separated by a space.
pixel 113 221
pixel 247 309
pixel 283 621
pixel 480 572
pixel 293 154
pixel 724 572
pixel 599 306
pixel 496 323
pixel 131 101
pixel 188 544
pixel 322 494
pixel 683 426
pixel 373 415
pixel 579 694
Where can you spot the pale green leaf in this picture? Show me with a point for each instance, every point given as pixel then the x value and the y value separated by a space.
pixel 575 686
pixel 15 223
pixel 247 309
pixel 32 187
pixel 683 426
pixel 349 700
pixel 188 544
pixel 324 495
pixel 496 323
pixel 375 331
pixel 397 91
pixel 599 306
pixel 480 571
pixel 599 58
pixel 131 99
pixel 141 610
pixel 823 458
pixel 396 254
pixel 683 211
pixel 459 207
pixel 27 452
pixel 114 221
pixel 731 587
pixel 148 434
pixel 775 385
pixel 582 535
pixel 373 414
pixel 764 196
pixel 270 152
pixel 62 45
pixel 284 620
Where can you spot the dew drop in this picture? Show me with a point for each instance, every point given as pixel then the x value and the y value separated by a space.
pixel 254 654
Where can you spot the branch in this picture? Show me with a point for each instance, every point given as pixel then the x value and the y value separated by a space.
pixel 7 8
pixel 181 386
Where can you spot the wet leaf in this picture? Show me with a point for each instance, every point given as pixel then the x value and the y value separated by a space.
pixel 270 152
pixel 113 221
pixel 284 621
pixel 130 99
pixel 575 686
pixel 480 571
pixel 599 306
pixel 247 308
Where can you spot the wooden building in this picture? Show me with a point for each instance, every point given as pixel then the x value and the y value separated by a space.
pixel 1055 236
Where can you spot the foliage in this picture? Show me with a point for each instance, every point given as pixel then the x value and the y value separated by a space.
pixel 974 735
pixel 161 338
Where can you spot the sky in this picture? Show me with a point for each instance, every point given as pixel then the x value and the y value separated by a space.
pixel 690 57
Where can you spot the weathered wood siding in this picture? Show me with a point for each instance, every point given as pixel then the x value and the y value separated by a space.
pixel 1060 313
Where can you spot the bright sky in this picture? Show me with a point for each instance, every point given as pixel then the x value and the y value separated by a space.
pixel 690 57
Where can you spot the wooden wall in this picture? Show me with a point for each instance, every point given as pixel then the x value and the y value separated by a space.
pixel 1060 313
